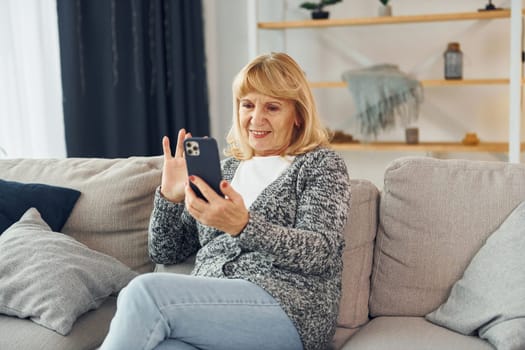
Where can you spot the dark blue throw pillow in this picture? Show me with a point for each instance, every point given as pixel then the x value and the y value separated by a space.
pixel 54 203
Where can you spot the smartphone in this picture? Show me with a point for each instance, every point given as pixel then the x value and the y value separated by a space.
pixel 202 160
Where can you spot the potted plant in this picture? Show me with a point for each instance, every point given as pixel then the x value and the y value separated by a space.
pixel 384 9
pixel 317 8
pixel 490 7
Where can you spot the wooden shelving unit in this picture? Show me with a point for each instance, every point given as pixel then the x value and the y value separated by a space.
pixel 438 147
pixel 323 23
pixel 430 82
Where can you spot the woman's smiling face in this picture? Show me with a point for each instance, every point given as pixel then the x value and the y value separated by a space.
pixel 267 123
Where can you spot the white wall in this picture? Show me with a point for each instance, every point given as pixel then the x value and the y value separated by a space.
pixel 226 40
pixel 447 113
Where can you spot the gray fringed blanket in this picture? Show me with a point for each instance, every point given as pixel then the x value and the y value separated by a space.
pixel 382 94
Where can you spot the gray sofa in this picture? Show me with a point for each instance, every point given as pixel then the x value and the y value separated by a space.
pixel 405 245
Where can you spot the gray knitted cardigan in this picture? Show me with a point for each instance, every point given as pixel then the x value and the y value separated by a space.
pixel 291 247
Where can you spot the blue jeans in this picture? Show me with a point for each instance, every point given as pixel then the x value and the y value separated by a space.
pixel 169 311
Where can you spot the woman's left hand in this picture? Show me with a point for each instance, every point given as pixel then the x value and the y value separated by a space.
pixel 228 214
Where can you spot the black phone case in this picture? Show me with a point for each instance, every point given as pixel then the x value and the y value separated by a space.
pixel 202 160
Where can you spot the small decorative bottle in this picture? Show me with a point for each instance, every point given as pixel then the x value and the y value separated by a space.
pixel 453 62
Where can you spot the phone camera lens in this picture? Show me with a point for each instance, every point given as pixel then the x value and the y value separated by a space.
pixel 192 148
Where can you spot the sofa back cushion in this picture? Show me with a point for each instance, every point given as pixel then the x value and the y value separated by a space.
pixel 113 210
pixel 434 217
pixel 360 232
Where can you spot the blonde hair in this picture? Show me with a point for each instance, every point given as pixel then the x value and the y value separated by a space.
pixel 279 76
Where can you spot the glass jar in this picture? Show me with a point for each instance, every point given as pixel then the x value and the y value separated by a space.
pixel 453 61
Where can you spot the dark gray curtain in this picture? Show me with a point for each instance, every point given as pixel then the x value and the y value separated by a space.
pixel 132 71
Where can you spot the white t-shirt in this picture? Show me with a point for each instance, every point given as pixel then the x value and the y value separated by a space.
pixel 254 175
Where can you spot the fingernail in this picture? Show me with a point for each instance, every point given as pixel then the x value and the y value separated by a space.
pixel 224 184
pixel 192 178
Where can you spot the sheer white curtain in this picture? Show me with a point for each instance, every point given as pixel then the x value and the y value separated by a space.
pixel 31 117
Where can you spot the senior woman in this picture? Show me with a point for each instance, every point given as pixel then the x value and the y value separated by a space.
pixel 269 253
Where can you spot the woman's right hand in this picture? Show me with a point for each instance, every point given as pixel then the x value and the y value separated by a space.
pixel 174 173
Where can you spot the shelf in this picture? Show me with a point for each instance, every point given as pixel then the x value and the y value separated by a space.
pixel 443 82
pixel 514 86
pixel 433 82
pixel 445 147
pixel 385 20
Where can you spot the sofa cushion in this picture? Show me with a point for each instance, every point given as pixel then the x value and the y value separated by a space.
pixel 411 333
pixel 360 232
pixel 490 297
pixel 434 217
pixel 88 332
pixel 341 336
pixel 54 203
pixel 112 214
pixel 51 278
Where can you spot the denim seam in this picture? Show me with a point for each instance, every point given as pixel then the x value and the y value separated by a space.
pixel 179 304
pixel 148 338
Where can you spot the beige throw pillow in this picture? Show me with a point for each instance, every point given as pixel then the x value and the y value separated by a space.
pixel 51 278
pixel 489 300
